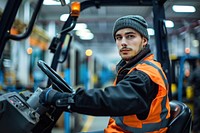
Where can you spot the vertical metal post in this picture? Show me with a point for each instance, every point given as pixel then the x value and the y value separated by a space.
pixel 161 39
pixel 7 21
pixel 181 78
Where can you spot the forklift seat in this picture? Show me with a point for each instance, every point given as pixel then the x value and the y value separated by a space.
pixel 181 118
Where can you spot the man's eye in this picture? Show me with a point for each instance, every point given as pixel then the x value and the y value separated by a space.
pixel 129 36
pixel 118 37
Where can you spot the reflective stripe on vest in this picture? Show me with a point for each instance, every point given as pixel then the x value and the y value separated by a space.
pixel 163 77
pixel 149 127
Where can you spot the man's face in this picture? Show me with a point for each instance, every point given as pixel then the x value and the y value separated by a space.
pixel 129 42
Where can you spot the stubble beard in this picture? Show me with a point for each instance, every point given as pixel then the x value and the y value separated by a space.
pixel 129 57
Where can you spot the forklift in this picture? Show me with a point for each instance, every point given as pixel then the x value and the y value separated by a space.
pixel 24 110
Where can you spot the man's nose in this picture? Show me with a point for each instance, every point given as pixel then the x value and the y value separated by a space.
pixel 123 42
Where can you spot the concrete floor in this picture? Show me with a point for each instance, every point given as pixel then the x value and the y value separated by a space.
pixel 57 130
pixel 91 124
pixel 95 123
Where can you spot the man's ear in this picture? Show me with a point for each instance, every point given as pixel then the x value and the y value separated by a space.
pixel 145 41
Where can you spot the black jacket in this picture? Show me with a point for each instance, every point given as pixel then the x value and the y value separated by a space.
pixel 132 94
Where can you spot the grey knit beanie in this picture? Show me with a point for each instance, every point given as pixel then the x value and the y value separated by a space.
pixel 132 21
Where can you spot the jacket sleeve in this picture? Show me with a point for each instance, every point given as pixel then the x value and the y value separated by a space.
pixel 129 96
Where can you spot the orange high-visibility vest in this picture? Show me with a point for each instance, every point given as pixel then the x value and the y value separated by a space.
pixel 159 113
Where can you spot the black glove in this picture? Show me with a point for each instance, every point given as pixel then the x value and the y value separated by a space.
pixel 50 96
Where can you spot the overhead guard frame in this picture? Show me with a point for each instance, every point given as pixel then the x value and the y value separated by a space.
pixel 12 7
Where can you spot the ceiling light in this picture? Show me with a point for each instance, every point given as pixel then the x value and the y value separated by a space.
pixel 64 17
pixel 54 2
pixel 84 34
pixel 87 36
pixel 88 52
pixel 81 32
pixel 150 31
pixel 169 23
pixel 80 26
pixel 29 50
pixel 195 43
pixel 181 8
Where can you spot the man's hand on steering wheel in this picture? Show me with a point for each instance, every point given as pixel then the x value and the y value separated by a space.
pixel 50 96
pixel 60 100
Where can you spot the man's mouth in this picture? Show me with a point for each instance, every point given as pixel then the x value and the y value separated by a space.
pixel 125 50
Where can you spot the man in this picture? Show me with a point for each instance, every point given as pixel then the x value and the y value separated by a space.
pixel 138 100
pixel 193 84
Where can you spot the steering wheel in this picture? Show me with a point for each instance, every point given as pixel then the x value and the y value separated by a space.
pixel 55 77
